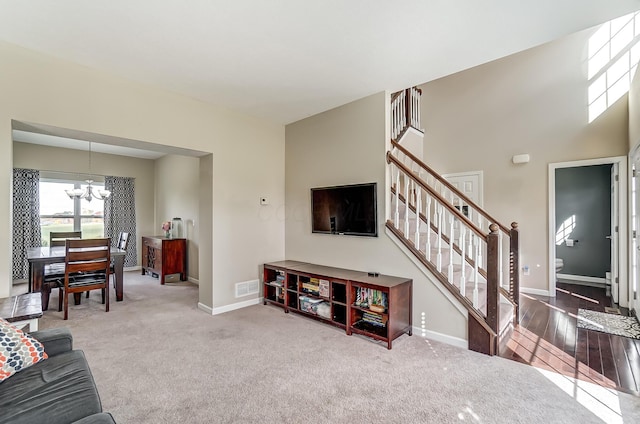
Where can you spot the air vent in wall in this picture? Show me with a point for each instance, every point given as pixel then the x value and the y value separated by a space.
pixel 247 287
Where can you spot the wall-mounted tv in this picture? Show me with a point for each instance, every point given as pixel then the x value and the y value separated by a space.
pixel 345 210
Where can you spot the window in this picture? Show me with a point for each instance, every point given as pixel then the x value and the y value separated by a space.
pixel 58 212
pixel 614 52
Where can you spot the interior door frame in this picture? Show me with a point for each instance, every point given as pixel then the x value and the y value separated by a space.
pixel 623 252
pixel 634 303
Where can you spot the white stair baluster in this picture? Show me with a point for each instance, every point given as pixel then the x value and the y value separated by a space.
pixel 397 217
pixel 463 270
pixel 428 215
pixel 439 256
pixel 418 205
pixel 405 122
pixel 406 206
pixel 476 245
pixel 470 246
pixel 450 273
pixel 500 260
pixel 480 257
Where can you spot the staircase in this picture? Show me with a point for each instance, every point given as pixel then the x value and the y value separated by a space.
pixel 466 250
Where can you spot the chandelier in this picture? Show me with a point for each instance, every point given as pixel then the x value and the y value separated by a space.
pixel 88 193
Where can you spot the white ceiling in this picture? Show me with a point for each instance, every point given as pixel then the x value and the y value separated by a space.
pixel 288 59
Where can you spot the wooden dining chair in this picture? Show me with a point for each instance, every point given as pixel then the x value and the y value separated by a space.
pixel 87 264
pixel 54 273
pixel 58 238
pixel 123 243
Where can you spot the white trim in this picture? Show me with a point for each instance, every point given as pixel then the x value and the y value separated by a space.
pixel 536 291
pixel 419 133
pixel 634 303
pixel 583 278
pixel 622 221
pixel 234 306
pixel 205 308
pixel 132 268
pixel 442 338
pixel 194 281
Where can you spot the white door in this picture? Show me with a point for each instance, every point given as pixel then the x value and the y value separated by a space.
pixel 615 274
pixel 469 183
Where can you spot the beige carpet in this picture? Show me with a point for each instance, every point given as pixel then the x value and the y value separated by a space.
pixel 157 359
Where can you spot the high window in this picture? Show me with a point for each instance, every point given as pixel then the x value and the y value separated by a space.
pixel 613 55
pixel 58 212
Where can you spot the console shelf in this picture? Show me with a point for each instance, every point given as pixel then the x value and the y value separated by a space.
pixel 375 306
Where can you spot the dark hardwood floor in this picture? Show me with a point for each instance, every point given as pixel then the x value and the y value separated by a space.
pixel 547 337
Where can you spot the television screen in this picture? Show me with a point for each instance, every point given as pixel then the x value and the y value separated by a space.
pixel 349 209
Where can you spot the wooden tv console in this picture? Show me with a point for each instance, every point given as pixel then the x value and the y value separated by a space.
pixel 377 306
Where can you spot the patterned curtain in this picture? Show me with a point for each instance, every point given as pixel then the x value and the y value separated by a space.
pixel 120 214
pixel 26 218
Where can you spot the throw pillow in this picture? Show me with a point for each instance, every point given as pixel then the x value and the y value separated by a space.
pixel 17 350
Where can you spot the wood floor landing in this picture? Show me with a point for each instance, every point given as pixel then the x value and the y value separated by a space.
pixel 547 337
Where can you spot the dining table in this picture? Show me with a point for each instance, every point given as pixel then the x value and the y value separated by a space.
pixel 38 257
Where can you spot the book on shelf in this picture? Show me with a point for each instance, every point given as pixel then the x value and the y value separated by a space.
pixel 366 297
pixel 323 288
pixel 310 287
pixel 279 281
pixel 374 319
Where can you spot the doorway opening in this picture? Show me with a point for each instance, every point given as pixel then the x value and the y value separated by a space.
pixel 587 225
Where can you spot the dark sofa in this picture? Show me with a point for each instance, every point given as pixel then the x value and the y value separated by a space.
pixel 58 390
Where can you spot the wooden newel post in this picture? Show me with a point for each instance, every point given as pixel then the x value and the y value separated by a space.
pixel 514 270
pixel 493 279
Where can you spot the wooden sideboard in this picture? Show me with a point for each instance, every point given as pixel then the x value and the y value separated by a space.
pixel 164 256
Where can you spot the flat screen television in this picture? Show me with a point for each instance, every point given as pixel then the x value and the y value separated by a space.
pixel 345 210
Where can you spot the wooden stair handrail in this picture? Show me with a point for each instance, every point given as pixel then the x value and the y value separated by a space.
pixel 449 186
pixel 444 202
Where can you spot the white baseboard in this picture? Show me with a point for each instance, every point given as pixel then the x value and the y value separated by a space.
pixel 583 280
pixel 132 268
pixel 194 281
pixel 205 308
pixel 539 292
pixel 439 337
pixel 234 306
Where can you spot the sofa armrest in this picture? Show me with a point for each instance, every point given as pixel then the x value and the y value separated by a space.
pixel 101 418
pixel 54 340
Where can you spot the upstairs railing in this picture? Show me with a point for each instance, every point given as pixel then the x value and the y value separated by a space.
pixel 468 250
pixel 405 111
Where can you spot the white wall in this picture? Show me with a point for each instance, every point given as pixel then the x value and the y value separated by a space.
pixel 532 102
pixel 177 180
pixel 343 146
pixel 247 155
